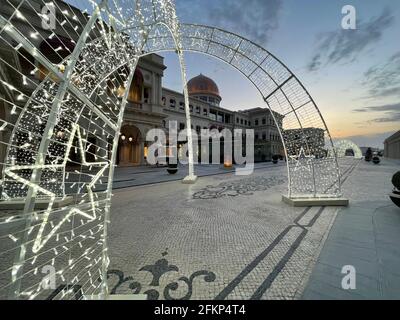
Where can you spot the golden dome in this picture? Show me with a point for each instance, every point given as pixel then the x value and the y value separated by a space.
pixel 202 85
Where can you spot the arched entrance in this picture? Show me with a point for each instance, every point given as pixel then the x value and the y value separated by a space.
pixel 130 151
pixel 81 97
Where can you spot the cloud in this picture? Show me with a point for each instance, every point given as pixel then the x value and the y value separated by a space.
pixel 392 118
pixel 371 140
pixel 343 46
pixel 315 63
pixel 254 19
pixel 391 111
pixel 383 80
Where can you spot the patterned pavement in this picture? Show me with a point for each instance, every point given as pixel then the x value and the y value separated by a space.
pixel 226 237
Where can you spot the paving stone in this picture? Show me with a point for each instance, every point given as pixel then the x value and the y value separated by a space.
pixel 365 235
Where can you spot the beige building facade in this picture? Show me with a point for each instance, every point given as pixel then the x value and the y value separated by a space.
pixel 392 146
pixel 150 105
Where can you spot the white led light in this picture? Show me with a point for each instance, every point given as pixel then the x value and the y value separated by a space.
pixel 74 110
pixel 34 35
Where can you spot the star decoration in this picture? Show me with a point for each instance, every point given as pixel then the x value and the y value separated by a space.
pixel 40 239
pixel 302 160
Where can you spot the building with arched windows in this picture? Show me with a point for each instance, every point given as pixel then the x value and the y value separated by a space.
pixel 150 105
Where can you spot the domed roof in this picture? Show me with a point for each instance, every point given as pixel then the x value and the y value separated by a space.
pixel 203 85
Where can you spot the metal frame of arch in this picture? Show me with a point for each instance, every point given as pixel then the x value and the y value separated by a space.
pixel 66 211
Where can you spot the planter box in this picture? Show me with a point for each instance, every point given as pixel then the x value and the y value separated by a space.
pixel 172 168
pixel 395 197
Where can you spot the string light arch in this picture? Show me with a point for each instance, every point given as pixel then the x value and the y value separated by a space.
pixel 74 110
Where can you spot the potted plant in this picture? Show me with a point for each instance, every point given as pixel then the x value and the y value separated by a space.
pixel 172 167
pixel 376 160
pixel 275 158
pixel 395 195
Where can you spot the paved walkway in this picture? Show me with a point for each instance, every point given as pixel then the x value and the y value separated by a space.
pixel 144 175
pixel 226 237
pixel 365 235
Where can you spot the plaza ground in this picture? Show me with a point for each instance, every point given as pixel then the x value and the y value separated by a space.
pixel 231 237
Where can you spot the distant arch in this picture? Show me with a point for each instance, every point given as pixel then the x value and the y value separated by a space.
pixel 342 146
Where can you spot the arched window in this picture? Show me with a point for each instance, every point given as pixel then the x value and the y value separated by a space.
pixel 135 91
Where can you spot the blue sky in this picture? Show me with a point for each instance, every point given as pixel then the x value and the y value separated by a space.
pixel 348 85
pixel 353 75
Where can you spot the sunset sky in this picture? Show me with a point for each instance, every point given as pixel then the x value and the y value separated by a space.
pixel 353 75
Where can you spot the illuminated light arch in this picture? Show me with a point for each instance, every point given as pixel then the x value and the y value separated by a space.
pixel 342 146
pixel 74 102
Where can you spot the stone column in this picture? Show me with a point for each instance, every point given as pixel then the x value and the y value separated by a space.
pixel 154 99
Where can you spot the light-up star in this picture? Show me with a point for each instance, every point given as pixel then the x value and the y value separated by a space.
pixel 302 160
pixel 41 240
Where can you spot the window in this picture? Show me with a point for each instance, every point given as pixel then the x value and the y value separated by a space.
pixel 172 103
pixel 181 126
pixel 205 111
pixel 256 122
pixel 197 109
pixel 237 120
pixel 256 136
pixel 163 101
pixel 264 121
pixel 181 105
pixel 241 121
pixel 191 108
pixel 146 94
pixel 264 136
